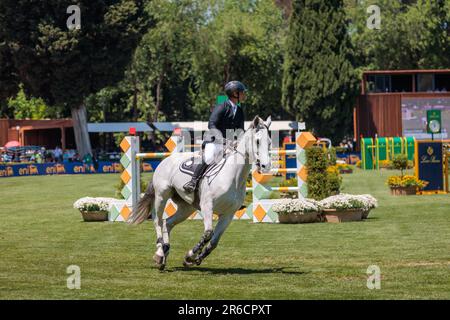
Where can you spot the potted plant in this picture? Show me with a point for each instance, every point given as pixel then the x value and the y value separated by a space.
pixel 343 208
pixel 386 164
pixel 344 168
pixel 93 209
pixel 370 203
pixel 297 211
pixel 405 185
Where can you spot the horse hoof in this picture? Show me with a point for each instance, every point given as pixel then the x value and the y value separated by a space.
pixel 161 267
pixel 159 260
pixel 190 258
pixel 187 264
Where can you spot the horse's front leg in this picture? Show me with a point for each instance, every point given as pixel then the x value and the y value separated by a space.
pixel 162 241
pixel 222 225
pixel 207 212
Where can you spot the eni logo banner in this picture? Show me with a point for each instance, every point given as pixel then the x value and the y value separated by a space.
pixel 429 164
pixel 35 169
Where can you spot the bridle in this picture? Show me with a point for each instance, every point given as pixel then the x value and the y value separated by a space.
pixel 256 153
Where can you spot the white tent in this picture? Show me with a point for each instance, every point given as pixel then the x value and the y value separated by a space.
pixel 118 127
pixel 203 125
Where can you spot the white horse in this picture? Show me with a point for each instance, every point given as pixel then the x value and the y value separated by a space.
pixel 224 196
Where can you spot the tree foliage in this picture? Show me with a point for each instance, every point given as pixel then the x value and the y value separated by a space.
pixel 159 60
pixel 33 108
pixel 240 41
pixel 319 82
pixel 64 66
pixel 412 35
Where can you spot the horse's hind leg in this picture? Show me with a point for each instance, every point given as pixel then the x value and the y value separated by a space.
pixel 184 210
pixel 162 241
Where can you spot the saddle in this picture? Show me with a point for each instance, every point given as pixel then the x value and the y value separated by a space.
pixel 188 167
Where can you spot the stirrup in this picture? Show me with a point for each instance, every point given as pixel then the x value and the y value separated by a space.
pixel 190 186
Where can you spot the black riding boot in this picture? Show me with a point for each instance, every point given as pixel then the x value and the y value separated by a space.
pixel 192 185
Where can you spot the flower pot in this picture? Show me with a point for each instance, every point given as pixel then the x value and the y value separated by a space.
pixel 294 217
pixel 344 171
pixel 95 215
pixel 342 215
pixel 403 191
pixel 365 214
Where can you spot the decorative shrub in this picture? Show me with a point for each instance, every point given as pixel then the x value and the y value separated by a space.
pixel 316 162
pixel 322 180
pixel 317 185
pixel 410 164
pixel 334 182
pixel 332 156
pixel 400 162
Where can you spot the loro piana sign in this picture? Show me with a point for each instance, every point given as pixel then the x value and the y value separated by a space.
pixel 429 164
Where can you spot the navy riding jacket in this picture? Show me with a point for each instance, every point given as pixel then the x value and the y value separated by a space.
pixel 222 118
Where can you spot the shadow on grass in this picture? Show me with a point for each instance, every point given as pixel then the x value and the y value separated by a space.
pixel 242 271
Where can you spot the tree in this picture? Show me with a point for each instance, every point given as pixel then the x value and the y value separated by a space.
pixel 160 74
pixel 319 82
pixel 428 27
pixel 183 61
pixel 8 78
pixel 64 66
pixel 240 41
pixel 412 35
pixel 29 108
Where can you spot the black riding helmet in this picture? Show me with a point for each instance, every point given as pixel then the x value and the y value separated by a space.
pixel 234 86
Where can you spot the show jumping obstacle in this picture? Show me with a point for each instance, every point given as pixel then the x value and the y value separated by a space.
pixel 260 210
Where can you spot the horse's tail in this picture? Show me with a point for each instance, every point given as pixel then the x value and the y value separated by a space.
pixel 144 206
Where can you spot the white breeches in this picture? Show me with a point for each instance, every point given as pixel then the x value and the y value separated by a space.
pixel 213 152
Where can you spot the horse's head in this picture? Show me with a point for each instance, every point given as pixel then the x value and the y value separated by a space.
pixel 260 143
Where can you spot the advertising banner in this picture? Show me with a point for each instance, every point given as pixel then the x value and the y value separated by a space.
pixel 35 169
pixel 429 164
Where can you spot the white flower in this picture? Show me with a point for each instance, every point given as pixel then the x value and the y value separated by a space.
pixel 299 206
pixel 93 204
pixel 349 201
pixel 371 201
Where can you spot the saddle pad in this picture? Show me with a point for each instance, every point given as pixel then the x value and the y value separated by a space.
pixel 188 167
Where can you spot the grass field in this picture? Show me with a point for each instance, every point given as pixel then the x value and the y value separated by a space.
pixel 41 235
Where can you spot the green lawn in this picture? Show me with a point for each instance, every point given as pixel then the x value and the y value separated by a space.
pixel 41 234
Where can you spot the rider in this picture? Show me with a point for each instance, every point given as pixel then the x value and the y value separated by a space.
pixel 226 116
